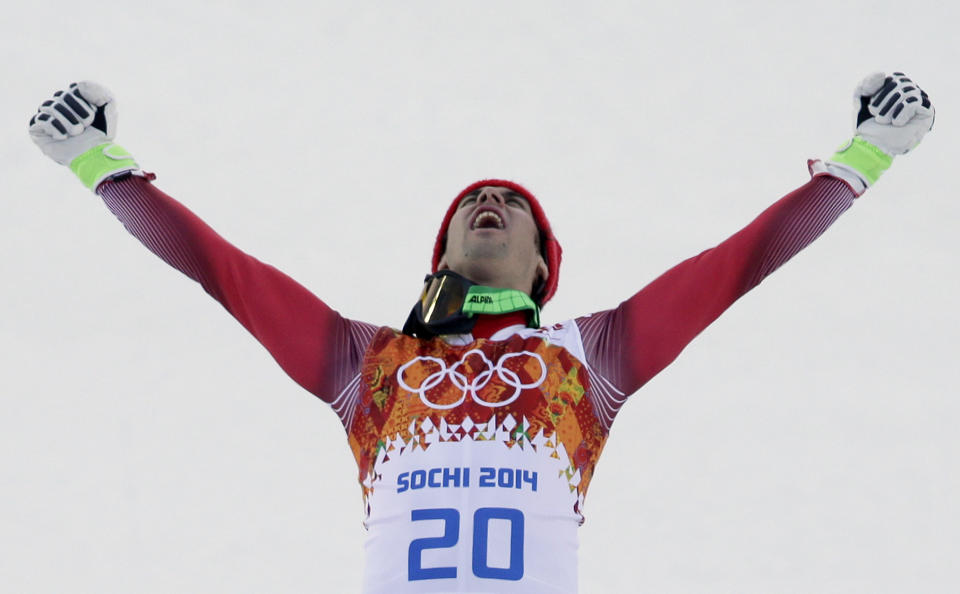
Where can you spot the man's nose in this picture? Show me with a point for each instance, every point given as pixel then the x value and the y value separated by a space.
pixel 490 194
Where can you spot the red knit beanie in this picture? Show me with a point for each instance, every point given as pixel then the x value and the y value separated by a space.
pixel 549 246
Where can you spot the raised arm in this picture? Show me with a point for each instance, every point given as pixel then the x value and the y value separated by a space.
pixel 631 343
pixel 634 341
pixel 314 344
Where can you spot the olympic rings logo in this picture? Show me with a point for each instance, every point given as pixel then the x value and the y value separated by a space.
pixel 471 387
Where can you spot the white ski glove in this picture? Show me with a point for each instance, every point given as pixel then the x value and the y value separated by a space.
pixel 76 128
pixel 891 116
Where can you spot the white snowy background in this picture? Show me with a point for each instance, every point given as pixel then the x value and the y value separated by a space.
pixel 806 442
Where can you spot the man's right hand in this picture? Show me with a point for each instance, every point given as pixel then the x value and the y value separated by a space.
pixel 76 126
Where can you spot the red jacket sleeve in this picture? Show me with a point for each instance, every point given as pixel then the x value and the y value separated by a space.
pixel 316 346
pixel 630 344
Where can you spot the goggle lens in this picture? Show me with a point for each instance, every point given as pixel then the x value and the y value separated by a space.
pixel 443 296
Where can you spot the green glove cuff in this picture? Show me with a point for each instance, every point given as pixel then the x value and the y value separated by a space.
pixel 100 162
pixel 867 159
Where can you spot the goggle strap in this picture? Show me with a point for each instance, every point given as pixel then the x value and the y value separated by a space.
pixel 489 300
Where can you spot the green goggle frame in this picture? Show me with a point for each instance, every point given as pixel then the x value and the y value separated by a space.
pixel 449 303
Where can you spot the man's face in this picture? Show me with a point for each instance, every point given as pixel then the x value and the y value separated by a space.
pixel 493 240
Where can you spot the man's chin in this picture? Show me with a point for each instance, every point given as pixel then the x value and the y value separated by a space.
pixel 486 252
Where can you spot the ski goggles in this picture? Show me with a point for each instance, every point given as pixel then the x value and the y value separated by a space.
pixel 443 296
pixel 449 303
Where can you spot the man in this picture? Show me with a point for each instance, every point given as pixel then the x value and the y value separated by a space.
pixel 475 430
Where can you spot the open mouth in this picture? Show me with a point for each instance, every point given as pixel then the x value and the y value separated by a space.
pixel 487 219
